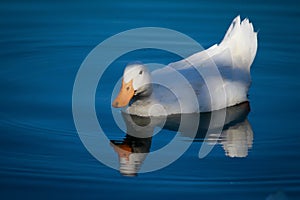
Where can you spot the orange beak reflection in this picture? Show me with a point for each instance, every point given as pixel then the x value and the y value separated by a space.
pixel 123 150
pixel 125 95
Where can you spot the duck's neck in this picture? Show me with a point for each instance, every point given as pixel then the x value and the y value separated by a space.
pixel 144 91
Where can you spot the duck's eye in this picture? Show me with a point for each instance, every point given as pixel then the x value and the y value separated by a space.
pixel 127 88
pixel 141 72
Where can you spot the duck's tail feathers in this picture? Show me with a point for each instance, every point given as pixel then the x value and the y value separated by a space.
pixel 241 40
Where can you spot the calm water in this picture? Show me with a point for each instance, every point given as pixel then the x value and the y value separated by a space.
pixel 43 44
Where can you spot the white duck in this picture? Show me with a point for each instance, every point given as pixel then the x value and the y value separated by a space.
pixel 201 89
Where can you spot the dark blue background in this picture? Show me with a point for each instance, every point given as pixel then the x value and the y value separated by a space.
pixel 43 44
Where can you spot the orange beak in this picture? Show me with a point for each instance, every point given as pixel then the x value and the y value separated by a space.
pixel 124 96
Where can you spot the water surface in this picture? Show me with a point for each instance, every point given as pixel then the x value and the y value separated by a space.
pixel 43 44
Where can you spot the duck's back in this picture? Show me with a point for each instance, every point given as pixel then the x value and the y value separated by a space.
pixel 237 49
pixel 218 77
pixel 232 58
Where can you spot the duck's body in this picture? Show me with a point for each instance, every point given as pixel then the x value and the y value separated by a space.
pixel 212 79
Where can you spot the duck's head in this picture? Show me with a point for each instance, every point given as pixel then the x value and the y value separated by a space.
pixel 136 81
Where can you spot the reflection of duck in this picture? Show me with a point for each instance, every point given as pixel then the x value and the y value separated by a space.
pixel 236 136
pixel 232 57
pixel 132 151
pixel 237 139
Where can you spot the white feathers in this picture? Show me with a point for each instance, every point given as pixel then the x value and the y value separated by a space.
pixel 232 58
pixel 241 40
pixel 139 74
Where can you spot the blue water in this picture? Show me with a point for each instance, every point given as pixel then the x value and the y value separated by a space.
pixel 43 44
